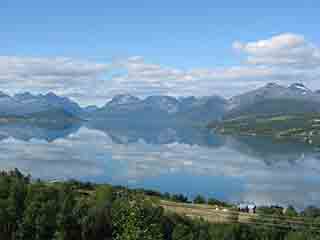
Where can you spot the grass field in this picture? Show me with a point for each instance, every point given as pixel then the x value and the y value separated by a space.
pixel 216 214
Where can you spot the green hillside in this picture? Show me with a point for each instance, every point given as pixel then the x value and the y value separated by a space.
pixel 302 127
pixel 72 210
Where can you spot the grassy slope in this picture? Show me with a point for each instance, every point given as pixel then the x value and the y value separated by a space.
pixel 228 214
pixel 304 127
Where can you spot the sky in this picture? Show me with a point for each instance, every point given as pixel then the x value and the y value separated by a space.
pixel 93 50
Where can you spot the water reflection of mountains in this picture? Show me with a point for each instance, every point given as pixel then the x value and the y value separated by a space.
pixel 120 133
pixel 265 149
pixel 272 151
pixel 128 132
pixel 26 132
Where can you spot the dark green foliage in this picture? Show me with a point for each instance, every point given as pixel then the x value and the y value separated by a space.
pixel 212 201
pixel 273 210
pixel 312 212
pixel 291 212
pixel 135 219
pixel 77 211
pixel 199 200
pixel 179 198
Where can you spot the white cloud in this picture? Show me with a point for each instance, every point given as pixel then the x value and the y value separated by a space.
pixel 62 75
pixel 284 58
pixel 143 78
pixel 285 49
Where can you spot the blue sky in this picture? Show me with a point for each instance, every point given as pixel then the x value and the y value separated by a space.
pixel 103 37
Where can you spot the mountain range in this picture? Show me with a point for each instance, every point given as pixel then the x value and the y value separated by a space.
pixel 274 99
pixel 25 104
pixel 161 109
pixel 270 99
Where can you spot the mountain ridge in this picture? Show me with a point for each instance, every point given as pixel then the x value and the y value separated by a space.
pixel 271 98
pixel 296 98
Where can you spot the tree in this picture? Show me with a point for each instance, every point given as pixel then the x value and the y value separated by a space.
pixel 136 220
pixel 15 205
pixel 4 216
pixel 182 232
pixel 291 212
pixel 179 198
pixel 199 200
pixel 39 220
pixel 68 220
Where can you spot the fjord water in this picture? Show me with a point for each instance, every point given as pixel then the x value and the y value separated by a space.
pixel 176 159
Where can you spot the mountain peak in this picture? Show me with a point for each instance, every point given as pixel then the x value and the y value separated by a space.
pixel 51 95
pixel 165 103
pixel 299 86
pixel 272 85
pixel 123 99
pixel 161 98
pixel 2 94
pixel 23 96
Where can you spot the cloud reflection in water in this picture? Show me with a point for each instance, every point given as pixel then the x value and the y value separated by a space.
pixel 286 174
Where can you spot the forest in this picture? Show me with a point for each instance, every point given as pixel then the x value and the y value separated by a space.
pixel 32 209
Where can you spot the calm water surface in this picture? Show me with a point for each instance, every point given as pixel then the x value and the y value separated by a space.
pixel 167 158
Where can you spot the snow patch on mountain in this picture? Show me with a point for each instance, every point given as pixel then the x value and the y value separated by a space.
pixel 300 87
pixel 123 99
pixel 164 103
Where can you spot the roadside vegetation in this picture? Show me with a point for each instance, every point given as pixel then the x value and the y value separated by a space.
pixel 37 210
